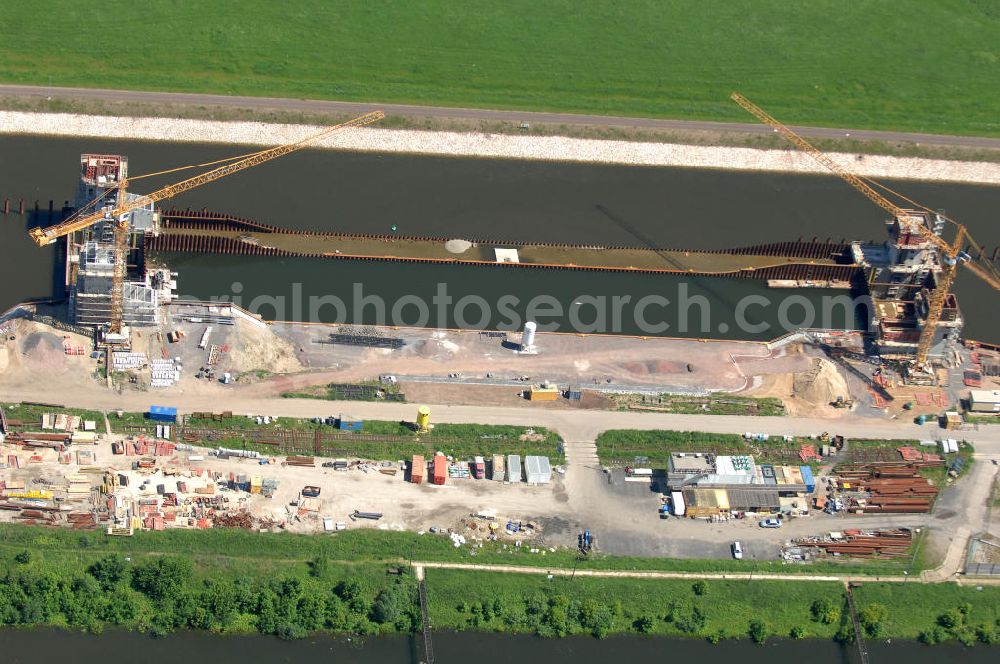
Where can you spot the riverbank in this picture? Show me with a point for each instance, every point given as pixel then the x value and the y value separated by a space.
pixel 492 146
pixel 228 582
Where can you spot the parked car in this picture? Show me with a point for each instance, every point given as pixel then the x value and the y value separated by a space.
pixel 770 523
pixel 737 551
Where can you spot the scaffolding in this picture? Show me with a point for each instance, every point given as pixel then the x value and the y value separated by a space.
pixel 90 294
pixel 902 273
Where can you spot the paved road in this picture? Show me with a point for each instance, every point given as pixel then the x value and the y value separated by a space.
pixel 574 425
pixel 513 117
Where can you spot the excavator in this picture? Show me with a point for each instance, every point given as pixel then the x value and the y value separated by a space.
pixel 951 254
pixel 119 213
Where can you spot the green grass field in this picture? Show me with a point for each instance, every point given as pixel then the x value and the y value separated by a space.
pixel 534 604
pixel 379 546
pixel 908 65
pixel 235 581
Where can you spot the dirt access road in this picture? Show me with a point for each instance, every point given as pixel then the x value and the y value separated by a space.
pixel 513 117
pixel 572 425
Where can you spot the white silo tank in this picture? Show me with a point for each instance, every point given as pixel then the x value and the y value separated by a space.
pixel 528 337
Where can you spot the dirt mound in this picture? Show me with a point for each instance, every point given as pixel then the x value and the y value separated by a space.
pixel 654 367
pixel 43 351
pixel 432 348
pixel 262 349
pixel 821 385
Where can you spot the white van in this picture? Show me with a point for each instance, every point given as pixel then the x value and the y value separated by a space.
pixel 737 551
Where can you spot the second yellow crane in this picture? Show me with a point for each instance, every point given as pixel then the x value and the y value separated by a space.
pixel 951 253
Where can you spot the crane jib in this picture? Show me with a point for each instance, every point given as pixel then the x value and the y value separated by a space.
pixel 52 233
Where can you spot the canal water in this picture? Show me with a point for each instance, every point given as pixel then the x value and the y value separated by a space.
pixel 488 199
pixel 47 645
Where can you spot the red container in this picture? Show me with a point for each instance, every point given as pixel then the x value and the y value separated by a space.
pixel 440 469
pixel 418 468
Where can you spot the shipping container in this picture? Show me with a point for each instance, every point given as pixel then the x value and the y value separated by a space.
pixel 162 414
pixel 479 468
pixel 984 401
pixel 440 469
pixel 418 468
pixel 498 468
pixel 543 394
pixel 514 468
pixel 807 479
pixel 677 502
pixel 538 469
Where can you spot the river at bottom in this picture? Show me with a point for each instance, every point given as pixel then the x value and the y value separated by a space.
pixel 30 646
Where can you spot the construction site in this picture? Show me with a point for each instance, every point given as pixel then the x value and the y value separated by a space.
pixel 120 473
pixel 114 282
pixel 126 329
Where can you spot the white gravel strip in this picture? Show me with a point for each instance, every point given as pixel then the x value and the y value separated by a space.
pixel 497 146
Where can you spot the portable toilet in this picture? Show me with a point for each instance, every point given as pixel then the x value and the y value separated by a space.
pixel 423 418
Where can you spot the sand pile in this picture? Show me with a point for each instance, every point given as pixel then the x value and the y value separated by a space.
pixel 821 385
pixel 256 348
pixel 43 351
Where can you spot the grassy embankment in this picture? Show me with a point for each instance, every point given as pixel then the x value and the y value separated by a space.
pixel 621 446
pixel 637 58
pixel 340 392
pixel 288 585
pixel 378 439
pixel 33 414
pixel 692 405
pixel 369 545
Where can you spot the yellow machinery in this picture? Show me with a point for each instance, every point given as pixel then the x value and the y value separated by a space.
pixel 952 254
pixel 423 419
pixel 120 214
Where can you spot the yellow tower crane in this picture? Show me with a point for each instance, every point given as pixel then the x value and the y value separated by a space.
pixel 913 219
pixel 120 214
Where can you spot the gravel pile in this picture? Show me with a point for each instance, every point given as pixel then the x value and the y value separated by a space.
pixel 476 144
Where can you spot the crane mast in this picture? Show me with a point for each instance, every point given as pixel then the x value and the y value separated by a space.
pixel 119 215
pixel 951 254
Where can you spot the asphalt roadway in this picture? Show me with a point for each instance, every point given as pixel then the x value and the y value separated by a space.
pixel 512 117
pixel 572 425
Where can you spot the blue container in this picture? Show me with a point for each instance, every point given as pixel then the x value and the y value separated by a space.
pixel 163 414
pixel 350 425
pixel 807 479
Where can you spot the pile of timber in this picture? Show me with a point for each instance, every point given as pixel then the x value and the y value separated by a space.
pixel 305 461
pixel 36 516
pixel 81 520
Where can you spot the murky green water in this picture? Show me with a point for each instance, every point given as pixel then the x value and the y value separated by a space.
pixel 550 202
